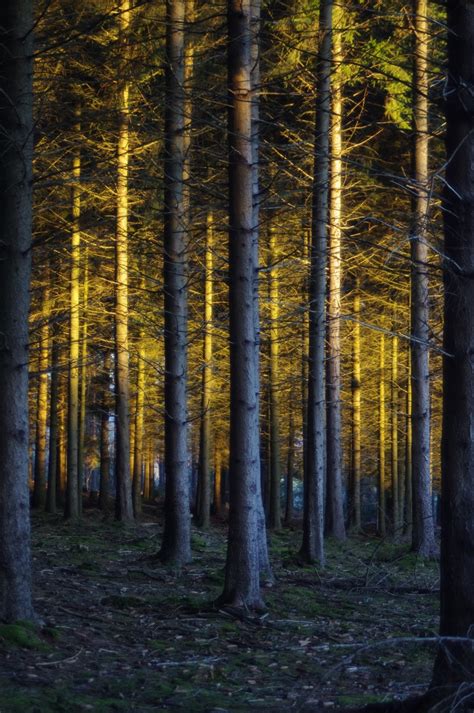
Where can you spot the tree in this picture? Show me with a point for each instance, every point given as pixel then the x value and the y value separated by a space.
pixel 176 545
pixel 242 573
pixel 423 540
pixel 312 549
pixel 16 144
pixel 455 661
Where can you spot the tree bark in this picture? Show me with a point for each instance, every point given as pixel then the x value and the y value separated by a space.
pixel 334 488
pixel 51 500
pixel 242 574
pixel 382 521
pixel 39 489
pixel 16 145
pixel 83 380
pixel 394 463
pixel 123 500
pixel 105 437
pixel 455 661
pixel 274 514
pixel 176 545
pixel 355 510
pixel 423 541
pixel 312 549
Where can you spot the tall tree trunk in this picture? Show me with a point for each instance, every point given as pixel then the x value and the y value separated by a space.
pixel 204 481
pixel 382 525
pixel 123 501
pixel 138 460
pixel 455 662
pixel 290 463
pixel 274 515
pixel 51 500
pixel 218 495
pixel 335 506
pixel 242 574
pixel 423 540
pixel 16 145
pixel 355 511
pixel 312 549
pixel 39 490
pixel 394 463
pixel 72 508
pixel 83 380
pixel 105 437
pixel 408 462
pixel 176 547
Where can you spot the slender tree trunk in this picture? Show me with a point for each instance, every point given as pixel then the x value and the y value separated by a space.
pixel 123 501
pixel 312 549
pixel 382 526
pixel 218 500
pixel 16 144
pixel 105 437
pixel 61 476
pixel 423 540
pixel 455 662
pixel 274 515
pixel 139 424
pixel 51 501
pixel 205 435
pixel 39 490
pixel 83 381
pixel 290 467
pixel 408 461
pixel 335 506
pixel 72 509
pixel 147 474
pixel 242 575
pixel 394 463
pixel 176 547
pixel 355 512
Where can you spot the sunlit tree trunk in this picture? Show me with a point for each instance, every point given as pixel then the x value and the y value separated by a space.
pixel 355 514
pixel 408 461
pixel 423 540
pixel 394 463
pixel 274 515
pixel 83 379
pixel 16 144
pixel 312 549
pixel 123 501
pixel 176 545
pixel 204 481
pixel 242 575
pixel 455 662
pixel 72 509
pixel 39 490
pixel 382 526
pixel 335 510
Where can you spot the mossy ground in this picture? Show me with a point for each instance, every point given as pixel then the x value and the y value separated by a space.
pixel 123 633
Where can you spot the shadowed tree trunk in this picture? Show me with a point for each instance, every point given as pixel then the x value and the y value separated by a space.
pixel 51 501
pixel 290 462
pixel 242 573
pixel 39 489
pixel 274 513
pixel 312 548
pixel 423 540
pixel 105 437
pixel 83 380
pixel 354 516
pixel 16 144
pixel 176 544
pixel 394 463
pixel 455 661
pixel 382 524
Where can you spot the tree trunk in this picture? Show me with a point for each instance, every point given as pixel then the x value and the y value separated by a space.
pixel 423 541
pixel 455 661
pixel 72 508
pixel 51 500
pixel 123 501
pixel 312 549
pixel 218 499
pixel 105 438
pixel 290 467
pixel 39 490
pixel 335 506
pixel 408 461
pixel 139 423
pixel 176 547
pixel 382 525
pixel 203 515
pixel 242 574
pixel 274 514
pixel 83 381
pixel 355 511
pixel 16 144
pixel 394 464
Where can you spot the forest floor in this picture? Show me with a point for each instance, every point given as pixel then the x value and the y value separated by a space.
pixel 123 633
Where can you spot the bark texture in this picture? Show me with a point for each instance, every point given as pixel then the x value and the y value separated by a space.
pixel 16 54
